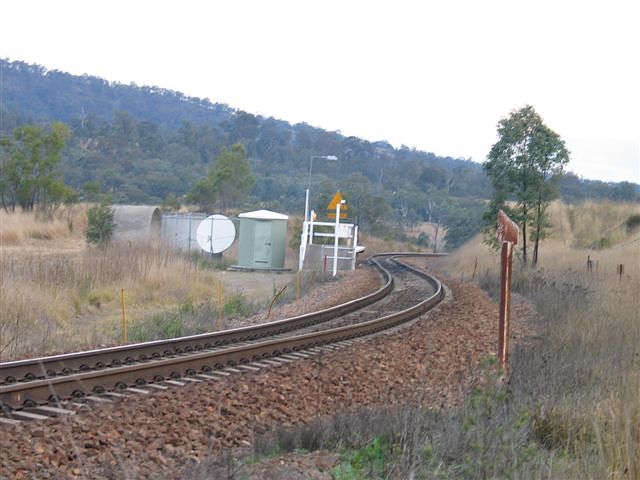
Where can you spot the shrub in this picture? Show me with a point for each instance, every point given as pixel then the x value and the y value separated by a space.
pixel 632 222
pixel 100 224
pixel 236 307
pixel 170 204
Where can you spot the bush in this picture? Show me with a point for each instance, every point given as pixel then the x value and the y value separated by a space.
pixel 236 307
pixel 423 240
pixel 170 204
pixel 632 222
pixel 100 224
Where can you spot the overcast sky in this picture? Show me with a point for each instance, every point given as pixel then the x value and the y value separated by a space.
pixel 434 75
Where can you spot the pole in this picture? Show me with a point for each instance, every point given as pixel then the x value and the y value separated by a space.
pixel 505 303
pixel 125 333
pixel 311 228
pixel 507 233
pixel 355 245
pixel 219 301
pixel 306 202
pixel 335 243
pixel 306 205
pixel 306 197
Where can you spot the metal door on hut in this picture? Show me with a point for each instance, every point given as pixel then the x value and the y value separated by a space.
pixel 262 244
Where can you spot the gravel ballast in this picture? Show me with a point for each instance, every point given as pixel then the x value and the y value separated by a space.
pixel 429 363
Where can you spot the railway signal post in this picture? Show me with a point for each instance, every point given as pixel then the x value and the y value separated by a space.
pixel 507 234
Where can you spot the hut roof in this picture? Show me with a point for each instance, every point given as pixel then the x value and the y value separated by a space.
pixel 264 215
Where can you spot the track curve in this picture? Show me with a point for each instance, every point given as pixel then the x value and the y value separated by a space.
pixel 97 371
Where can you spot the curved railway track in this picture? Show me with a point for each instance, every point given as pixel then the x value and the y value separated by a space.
pixel 406 293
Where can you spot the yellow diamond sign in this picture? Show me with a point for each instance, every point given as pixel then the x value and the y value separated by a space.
pixel 337 198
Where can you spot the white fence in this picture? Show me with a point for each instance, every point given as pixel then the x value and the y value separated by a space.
pixel 339 254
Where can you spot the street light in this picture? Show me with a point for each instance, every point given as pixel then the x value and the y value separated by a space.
pixel 332 158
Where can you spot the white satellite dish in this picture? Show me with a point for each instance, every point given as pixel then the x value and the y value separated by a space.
pixel 215 234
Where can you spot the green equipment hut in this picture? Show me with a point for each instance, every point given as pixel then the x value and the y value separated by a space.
pixel 263 237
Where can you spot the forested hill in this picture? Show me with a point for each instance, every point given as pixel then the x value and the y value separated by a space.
pixel 42 95
pixel 144 144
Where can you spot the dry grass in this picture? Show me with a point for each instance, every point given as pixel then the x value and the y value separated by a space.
pixel 58 294
pixel 563 251
pixel 64 301
pixel 579 379
pixel 64 225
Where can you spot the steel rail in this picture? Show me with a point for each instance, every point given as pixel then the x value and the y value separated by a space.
pixel 65 364
pixel 119 377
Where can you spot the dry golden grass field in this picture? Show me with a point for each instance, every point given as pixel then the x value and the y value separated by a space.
pixel 578 379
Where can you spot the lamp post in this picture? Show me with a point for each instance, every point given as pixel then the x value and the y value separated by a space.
pixel 332 158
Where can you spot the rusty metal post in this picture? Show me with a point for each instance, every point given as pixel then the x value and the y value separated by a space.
pixel 504 324
pixel 507 233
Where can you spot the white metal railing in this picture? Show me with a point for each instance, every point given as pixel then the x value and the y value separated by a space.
pixel 346 232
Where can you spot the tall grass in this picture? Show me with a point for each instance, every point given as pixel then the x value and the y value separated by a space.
pixel 64 224
pixel 60 301
pixel 58 294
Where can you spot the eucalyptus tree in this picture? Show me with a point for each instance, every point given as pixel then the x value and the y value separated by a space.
pixel 523 167
pixel 29 173
pixel 228 182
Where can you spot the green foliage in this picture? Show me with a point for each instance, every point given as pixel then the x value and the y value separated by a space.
pixel 29 174
pixel 100 224
pixel 59 193
pixel 524 165
pixel 160 326
pixel 296 233
pixel 423 240
pixel 632 222
pixel 236 306
pixel 171 203
pixel 368 462
pixel 366 208
pixel 602 243
pixel 228 182
pixel 91 190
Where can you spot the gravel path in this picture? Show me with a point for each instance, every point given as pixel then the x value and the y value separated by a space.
pixel 429 363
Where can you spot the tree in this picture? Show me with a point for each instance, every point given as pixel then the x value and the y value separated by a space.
pixel 365 208
pixel 524 166
pixel 29 167
pixel 232 176
pixel 228 182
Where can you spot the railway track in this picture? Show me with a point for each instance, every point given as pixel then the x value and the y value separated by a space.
pixel 48 383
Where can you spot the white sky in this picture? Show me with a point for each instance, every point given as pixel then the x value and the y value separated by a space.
pixel 434 75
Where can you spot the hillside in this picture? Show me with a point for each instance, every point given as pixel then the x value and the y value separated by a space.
pixel 144 144
pixel 598 230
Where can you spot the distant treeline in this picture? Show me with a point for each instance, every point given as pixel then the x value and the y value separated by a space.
pixel 145 144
